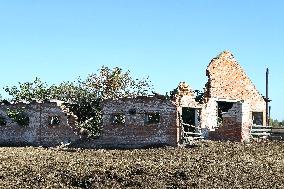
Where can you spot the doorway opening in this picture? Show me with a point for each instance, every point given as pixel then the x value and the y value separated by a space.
pixel 190 125
pixel 188 119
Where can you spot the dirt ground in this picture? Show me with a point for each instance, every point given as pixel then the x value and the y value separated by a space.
pixel 207 165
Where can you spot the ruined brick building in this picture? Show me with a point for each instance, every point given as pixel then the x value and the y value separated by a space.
pixel 37 124
pixel 231 94
pixel 226 110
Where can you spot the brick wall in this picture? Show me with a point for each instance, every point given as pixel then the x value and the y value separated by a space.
pixel 227 81
pixel 231 128
pixel 209 116
pixel 135 132
pixel 39 131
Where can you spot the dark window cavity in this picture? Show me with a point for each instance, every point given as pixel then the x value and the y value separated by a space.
pixel 223 107
pixel 18 116
pixel 118 119
pixel 257 118
pixel 132 111
pixel 152 118
pixel 3 121
pixel 54 120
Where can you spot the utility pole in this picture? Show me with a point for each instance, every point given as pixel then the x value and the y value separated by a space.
pixel 267 100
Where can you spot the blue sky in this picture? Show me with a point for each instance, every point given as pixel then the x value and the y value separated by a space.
pixel 168 40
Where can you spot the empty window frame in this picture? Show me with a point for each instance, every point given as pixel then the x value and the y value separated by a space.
pixel 152 118
pixel 118 119
pixel 223 107
pixel 54 120
pixel 257 118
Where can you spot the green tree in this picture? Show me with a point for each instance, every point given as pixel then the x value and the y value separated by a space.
pixel 111 84
pixel 276 123
pixel 82 102
pixel 29 91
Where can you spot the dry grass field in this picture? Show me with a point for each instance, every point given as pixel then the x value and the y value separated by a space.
pixel 207 165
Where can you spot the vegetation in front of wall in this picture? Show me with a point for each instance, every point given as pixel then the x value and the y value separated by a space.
pixel 19 116
pixel 84 97
pixel 3 121
pixel 92 125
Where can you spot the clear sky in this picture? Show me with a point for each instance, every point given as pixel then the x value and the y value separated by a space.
pixel 168 40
